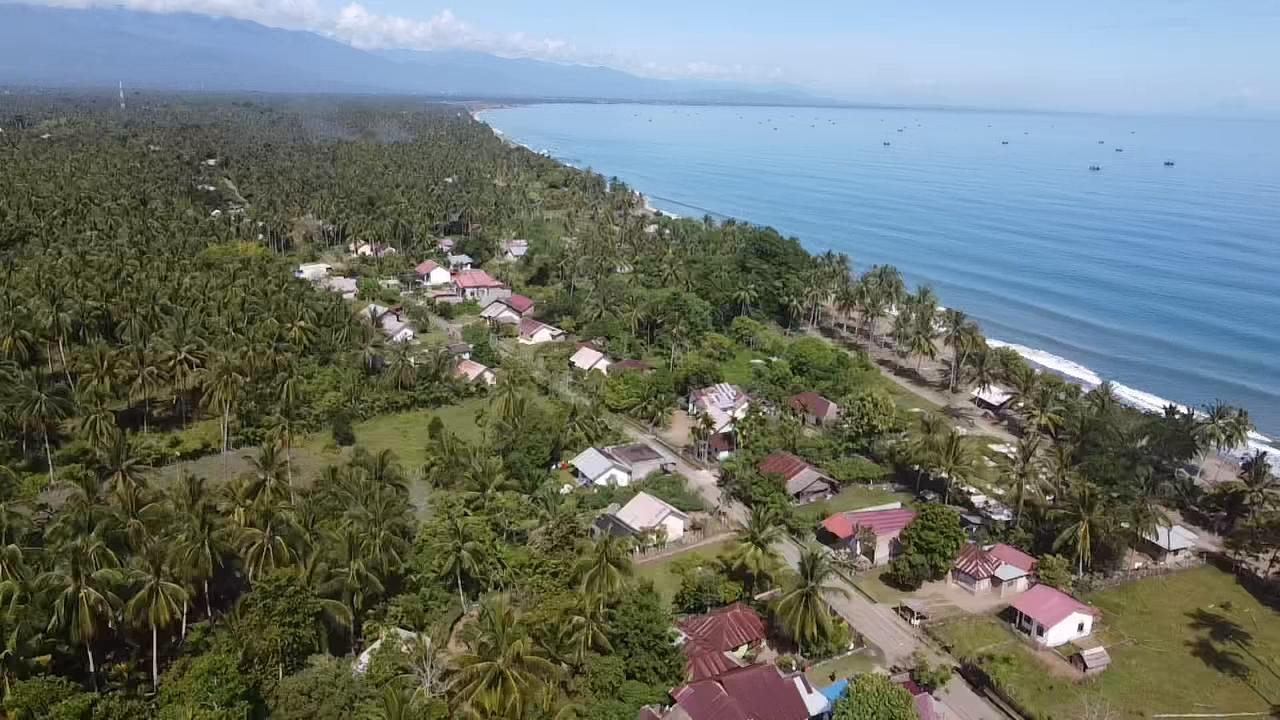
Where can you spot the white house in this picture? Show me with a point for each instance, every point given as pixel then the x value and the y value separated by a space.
pixel 533 332
pixel 1169 545
pixel 646 513
pixel 431 274
pixel 588 358
pixel 391 321
pixel 723 403
pixel 1050 617
pixel 312 271
pixel 345 286
pixel 619 464
pixel 513 250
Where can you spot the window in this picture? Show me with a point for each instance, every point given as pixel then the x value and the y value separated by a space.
pixel 1080 629
pixel 1039 630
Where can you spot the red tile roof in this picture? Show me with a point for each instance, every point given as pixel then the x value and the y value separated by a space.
pixel 426 266
pixel 701 663
pixel 784 464
pixel 755 692
pixel 811 402
pixel 726 628
pixel 1011 555
pixel 467 279
pixel 1049 606
pixel 519 303
pixel 884 523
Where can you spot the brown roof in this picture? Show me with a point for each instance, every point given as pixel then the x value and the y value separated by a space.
pixel 519 303
pixel 726 628
pixel 529 326
pixel 784 464
pixel 426 266
pixel 755 692
pixel 1010 555
pixel 635 452
pixel 812 403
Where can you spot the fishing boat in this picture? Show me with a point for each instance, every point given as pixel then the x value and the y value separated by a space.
pixel 1119 149
pixel 1004 142
pixel 886 143
pixel 1095 168
pixel 1168 163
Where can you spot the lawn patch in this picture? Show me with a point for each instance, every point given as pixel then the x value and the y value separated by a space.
pixel 852 497
pixel 665 581
pixel 1191 642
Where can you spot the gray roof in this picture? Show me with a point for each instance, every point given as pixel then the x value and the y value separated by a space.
pixel 1007 572
pixel 1173 538
pixel 592 463
pixel 460 259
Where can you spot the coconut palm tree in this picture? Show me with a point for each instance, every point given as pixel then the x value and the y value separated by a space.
pixel 461 554
pixel 155 604
pixel 755 554
pixel 1023 473
pixel 1085 517
pixel 961 335
pixel 82 585
pixel 956 460
pixel 223 387
pixel 119 465
pixel 601 572
pixel 803 611
pixel 503 673
pixel 41 406
pixel 1221 427
pixel 203 544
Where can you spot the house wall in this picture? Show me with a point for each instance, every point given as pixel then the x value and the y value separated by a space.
pixel 1064 632
pixel 886 549
pixel 674 526
pixel 968 582
pixel 484 295
pixel 615 476
pixel 646 468
pixel 1013 586
pixel 539 337
pixel 439 276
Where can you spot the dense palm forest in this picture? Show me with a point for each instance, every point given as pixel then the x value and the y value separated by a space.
pixel 150 315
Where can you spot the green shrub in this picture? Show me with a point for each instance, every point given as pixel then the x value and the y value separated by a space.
pixel 37 698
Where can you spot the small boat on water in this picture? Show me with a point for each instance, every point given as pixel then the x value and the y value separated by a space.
pixel 1119 149
pixel 1168 163
pixel 1095 168
pixel 886 143
pixel 1102 142
pixel 1004 142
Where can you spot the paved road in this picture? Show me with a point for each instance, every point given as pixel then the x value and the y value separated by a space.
pixel 877 623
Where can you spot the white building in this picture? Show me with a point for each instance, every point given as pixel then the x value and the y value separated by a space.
pixel 1050 617
pixel 588 358
pixel 619 464
pixel 646 513
pixel 431 274
pixel 533 332
pixel 312 271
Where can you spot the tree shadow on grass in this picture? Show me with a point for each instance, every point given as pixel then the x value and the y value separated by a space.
pixel 1219 630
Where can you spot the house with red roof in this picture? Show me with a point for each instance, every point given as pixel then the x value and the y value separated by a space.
pixel 803 482
pixel 509 310
pixel 534 332
pixel 431 274
pixel 1050 617
pixel 998 568
pixel 755 692
pixel 718 641
pixel 478 285
pixel 871 532
pixel 815 409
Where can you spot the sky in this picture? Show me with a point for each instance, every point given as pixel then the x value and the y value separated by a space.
pixel 1126 56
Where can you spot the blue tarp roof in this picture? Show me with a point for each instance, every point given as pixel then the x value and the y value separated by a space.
pixel 833 691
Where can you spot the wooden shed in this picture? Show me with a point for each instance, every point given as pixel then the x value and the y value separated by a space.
pixel 1091 661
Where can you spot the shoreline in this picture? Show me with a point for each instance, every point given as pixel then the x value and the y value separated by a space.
pixel 1042 360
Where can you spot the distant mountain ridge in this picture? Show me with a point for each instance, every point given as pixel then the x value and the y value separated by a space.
pixel 46 46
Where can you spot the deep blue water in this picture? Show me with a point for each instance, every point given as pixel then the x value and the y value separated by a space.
pixel 1163 279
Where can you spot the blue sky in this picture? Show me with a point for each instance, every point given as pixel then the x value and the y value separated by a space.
pixel 1179 56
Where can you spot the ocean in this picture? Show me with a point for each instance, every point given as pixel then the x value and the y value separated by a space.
pixel 1163 279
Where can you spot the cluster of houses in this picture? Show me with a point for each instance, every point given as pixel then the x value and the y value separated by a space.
pixel 729 675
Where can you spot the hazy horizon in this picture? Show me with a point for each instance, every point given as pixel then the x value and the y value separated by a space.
pixel 1190 57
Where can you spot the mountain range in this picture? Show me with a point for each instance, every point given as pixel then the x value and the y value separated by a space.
pixel 98 47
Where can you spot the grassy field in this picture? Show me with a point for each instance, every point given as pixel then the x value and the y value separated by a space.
pixel 852 497
pixel 846 667
pixel 877 589
pixel 665 581
pixel 1193 642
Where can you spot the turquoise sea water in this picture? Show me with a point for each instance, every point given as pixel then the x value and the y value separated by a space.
pixel 1165 280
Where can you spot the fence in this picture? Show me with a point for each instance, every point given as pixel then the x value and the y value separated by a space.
pixel 712 530
pixel 1120 577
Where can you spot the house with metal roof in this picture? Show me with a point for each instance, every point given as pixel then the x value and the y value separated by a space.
pixel 870 532
pixel 999 568
pixel 803 482
pixel 814 408
pixel 645 513
pixel 718 641
pixel 619 464
pixel 1168 545
pixel 1050 617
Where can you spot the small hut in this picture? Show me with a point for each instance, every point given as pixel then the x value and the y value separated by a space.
pixel 1091 661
